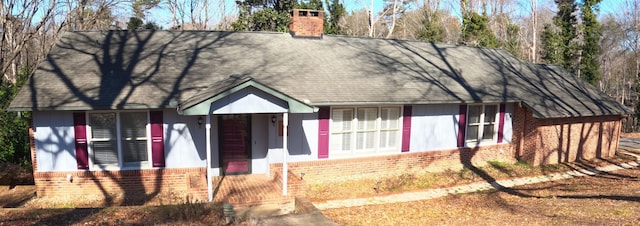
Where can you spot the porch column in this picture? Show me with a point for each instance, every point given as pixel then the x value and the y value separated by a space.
pixel 207 133
pixel 285 154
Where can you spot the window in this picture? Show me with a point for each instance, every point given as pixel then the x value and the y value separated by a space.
pixel 365 129
pixel 119 139
pixel 481 124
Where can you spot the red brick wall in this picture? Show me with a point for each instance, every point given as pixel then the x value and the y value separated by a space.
pixel 129 183
pixel 396 164
pixel 295 183
pixel 32 146
pixel 552 141
pixel 306 26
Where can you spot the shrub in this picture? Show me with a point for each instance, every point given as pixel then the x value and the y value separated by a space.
pixel 399 182
pixel 189 210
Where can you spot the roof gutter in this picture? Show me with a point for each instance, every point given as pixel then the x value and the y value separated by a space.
pixel 320 104
pixel 88 108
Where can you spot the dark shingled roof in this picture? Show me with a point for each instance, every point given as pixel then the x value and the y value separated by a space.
pixel 160 69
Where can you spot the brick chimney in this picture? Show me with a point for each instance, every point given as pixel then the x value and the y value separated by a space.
pixel 306 23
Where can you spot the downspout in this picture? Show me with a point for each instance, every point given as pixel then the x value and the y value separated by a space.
pixel 285 151
pixel 208 148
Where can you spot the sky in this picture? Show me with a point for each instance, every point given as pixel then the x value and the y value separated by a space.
pixel 162 16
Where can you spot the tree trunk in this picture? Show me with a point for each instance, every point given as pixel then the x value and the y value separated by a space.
pixel 534 20
pixel 393 18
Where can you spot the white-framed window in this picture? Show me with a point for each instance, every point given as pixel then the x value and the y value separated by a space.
pixel 482 125
pixel 365 129
pixel 119 139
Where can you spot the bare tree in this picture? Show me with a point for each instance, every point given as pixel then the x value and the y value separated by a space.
pixel 631 23
pixel 394 16
pixel 20 22
pixel 534 25
pixel 192 14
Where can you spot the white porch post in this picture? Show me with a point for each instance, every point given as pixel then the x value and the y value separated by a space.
pixel 285 154
pixel 207 133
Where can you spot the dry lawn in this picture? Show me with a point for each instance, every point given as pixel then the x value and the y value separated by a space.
pixel 410 182
pixel 186 213
pixel 607 199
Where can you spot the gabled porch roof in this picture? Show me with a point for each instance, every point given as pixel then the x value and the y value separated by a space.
pixel 201 103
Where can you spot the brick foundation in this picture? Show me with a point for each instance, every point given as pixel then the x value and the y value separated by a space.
pixel 130 184
pixel 557 140
pixel 390 165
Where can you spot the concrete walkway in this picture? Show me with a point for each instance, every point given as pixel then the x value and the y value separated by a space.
pixel 629 143
pixel 475 187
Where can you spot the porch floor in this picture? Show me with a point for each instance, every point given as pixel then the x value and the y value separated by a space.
pixel 248 190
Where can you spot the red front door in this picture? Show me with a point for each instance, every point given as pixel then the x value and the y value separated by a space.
pixel 235 144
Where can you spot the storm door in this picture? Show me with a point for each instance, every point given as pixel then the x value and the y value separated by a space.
pixel 235 143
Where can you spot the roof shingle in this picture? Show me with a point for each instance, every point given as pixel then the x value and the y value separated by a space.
pixel 160 69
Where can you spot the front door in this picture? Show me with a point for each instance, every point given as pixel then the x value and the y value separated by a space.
pixel 235 143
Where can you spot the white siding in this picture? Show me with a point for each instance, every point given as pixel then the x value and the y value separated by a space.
pixel 247 101
pixel 303 138
pixel 55 141
pixel 259 142
pixel 434 127
pixel 184 143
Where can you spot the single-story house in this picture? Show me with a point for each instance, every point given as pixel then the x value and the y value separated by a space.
pixel 154 111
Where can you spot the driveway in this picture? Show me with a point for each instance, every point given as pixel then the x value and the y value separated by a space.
pixel 629 143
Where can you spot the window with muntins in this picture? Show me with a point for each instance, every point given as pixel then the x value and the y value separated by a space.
pixel 481 124
pixel 364 129
pixel 119 139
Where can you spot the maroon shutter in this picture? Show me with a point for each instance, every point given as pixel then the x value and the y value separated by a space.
pixel 462 124
pixel 406 128
pixel 80 133
pixel 323 132
pixel 501 123
pixel 157 138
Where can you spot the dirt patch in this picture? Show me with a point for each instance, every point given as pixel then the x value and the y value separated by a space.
pixel 22 207
pixel 630 135
pixel 187 212
pixel 606 199
pixel 184 214
pixel 16 196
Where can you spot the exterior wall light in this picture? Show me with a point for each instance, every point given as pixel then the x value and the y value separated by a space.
pixel 200 121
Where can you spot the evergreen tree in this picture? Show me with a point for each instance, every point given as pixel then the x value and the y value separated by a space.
pixel 475 28
pixel 336 12
pixel 137 24
pixel 476 32
pixel 14 135
pixel 592 32
pixel 559 46
pixel 263 15
pixel 551 45
pixel 309 4
pixel 512 43
pixel 134 23
pixel 431 31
